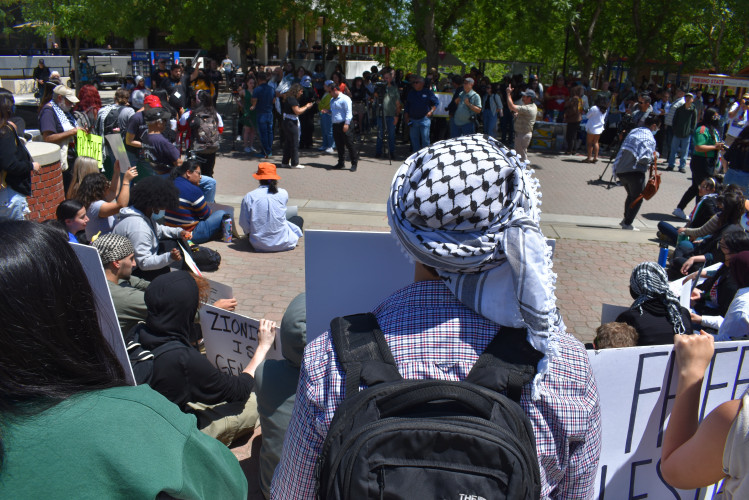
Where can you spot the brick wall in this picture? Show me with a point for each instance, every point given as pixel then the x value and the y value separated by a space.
pixel 46 192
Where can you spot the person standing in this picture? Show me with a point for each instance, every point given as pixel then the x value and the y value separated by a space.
pixel 682 127
pixel 632 162
pixel 594 127
pixel 58 126
pixel 420 106
pixel 525 118
pixel 468 107
pixel 738 114
pixel 389 100
pixel 290 127
pixel 492 110
pixel 342 113
pixel 262 104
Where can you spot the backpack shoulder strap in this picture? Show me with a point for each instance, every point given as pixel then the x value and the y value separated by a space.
pixel 169 346
pixel 507 364
pixel 362 351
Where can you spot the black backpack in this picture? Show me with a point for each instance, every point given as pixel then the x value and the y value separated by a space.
pixel 429 438
pixel 111 121
pixel 204 134
pixel 141 359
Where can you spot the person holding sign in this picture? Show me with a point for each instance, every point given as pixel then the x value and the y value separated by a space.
pixel 104 199
pixel 698 454
pixel 220 401
pixel 67 414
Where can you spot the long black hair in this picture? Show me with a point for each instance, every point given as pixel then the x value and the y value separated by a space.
pixel 272 185
pixel 710 119
pixel 68 210
pixel 53 347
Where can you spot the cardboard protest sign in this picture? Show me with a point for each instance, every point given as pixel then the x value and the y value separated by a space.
pixel 637 387
pixel 445 98
pixel 90 145
pixel 118 150
pixel 231 339
pixel 219 291
pixel 110 327
pixel 189 260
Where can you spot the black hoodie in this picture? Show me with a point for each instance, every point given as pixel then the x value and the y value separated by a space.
pixel 184 375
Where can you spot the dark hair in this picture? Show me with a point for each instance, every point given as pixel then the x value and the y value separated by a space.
pixel 204 100
pixel 610 335
pixel 6 107
pixel 67 210
pixel 163 96
pixel 154 192
pixel 736 241
pixel 733 203
pixel 602 102
pixel 187 166
pixel 272 185
pixel 93 188
pixel 121 96
pixel 742 141
pixel 55 349
pixel 645 98
pixel 262 76
pixel 710 119
pixel 652 120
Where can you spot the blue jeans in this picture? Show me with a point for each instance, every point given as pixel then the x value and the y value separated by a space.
pixel 466 129
pixel 13 205
pixel 265 129
pixel 326 127
pixel 208 186
pixel 390 123
pixel 680 146
pixel 206 229
pixel 669 231
pixel 737 177
pixel 420 133
pixel 490 122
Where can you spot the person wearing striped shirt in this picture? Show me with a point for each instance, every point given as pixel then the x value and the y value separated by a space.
pixel 193 213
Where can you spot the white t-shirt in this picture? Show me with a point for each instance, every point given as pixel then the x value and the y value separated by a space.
pixel 596 120
pixel 737 124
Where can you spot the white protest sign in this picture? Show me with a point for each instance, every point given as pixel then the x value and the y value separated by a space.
pixel 637 387
pixel 445 98
pixel 219 291
pixel 231 339
pixel 110 327
pixel 350 272
pixel 189 260
pixel 118 149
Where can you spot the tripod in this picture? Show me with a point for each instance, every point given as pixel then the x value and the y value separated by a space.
pixel 616 145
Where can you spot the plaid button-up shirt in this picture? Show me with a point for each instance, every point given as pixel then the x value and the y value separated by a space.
pixel 433 336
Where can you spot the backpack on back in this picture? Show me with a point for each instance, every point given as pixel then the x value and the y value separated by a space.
pixel 141 359
pixel 204 131
pixel 403 439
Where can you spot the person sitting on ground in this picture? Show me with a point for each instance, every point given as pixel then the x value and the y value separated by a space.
pixel 128 292
pixel 492 274
pixel 655 313
pixel 72 215
pixel 735 325
pixel 82 167
pixel 193 213
pixel 221 401
pixel 703 212
pixel 149 197
pixel 737 160
pixel 102 201
pixel 276 382
pixel 698 454
pixel 615 334
pixel 263 214
pixel 69 416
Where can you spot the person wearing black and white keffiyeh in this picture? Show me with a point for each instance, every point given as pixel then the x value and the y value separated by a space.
pixel 469 209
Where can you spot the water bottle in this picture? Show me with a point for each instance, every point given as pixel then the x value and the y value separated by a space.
pixel 226 229
pixel 663 255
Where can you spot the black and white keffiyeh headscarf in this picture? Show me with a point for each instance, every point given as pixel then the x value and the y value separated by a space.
pixel 649 281
pixel 468 208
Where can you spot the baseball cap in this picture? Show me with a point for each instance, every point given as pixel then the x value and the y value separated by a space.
pixel 529 93
pixel 152 101
pixel 153 114
pixel 329 83
pixel 68 93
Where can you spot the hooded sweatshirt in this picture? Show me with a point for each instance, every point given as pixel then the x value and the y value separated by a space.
pixel 145 234
pixel 184 375
pixel 276 388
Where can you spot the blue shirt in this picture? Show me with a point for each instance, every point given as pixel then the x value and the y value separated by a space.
pixel 262 216
pixel 419 103
pixel 264 95
pixel 340 109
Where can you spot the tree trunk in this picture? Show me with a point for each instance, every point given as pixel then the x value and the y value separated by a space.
pixel 75 46
pixel 426 34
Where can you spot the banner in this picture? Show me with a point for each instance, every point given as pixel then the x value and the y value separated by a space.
pixel 89 145
pixel 445 99
pixel 637 387
pixel 231 339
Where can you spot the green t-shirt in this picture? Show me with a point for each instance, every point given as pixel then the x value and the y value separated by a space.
pixel 462 113
pixel 703 137
pixel 129 301
pixel 119 443
pixel 324 102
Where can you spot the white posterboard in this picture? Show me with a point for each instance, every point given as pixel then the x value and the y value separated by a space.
pixel 231 339
pixel 219 291
pixel 188 259
pixel 350 272
pixel 445 98
pixel 637 387
pixel 110 327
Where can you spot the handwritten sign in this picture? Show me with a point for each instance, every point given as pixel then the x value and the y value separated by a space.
pixel 231 339
pixel 110 327
pixel 89 145
pixel 637 387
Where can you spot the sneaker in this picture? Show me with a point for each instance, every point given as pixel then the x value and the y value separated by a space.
pixel 297 166
pixel 682 171
pixel 248 149
pixel 330 150
pixel 678 212
pixel 669 168
pixel 629 227
pixel 285 165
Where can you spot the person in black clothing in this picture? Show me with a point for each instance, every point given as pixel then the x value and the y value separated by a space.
pixel 177 86
pixel 159 74
pixel 291 111
pixel 307 119
pixel 703 211
pixel 41 74
pixel 655 313
pixel 15 164
pixel 182 374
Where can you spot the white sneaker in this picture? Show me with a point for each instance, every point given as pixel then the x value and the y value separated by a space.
pixel 678 212
pixel 330 150
pixel 629 227
pixel 297 166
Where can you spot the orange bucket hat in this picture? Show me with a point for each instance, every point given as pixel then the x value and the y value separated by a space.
pixel 266 171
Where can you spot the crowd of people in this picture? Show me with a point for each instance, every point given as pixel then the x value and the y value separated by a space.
pixel 482 273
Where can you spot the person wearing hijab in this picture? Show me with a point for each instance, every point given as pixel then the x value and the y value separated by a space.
pixel 655 313
pixel 220 401
pixel 466 210
pixel 736 322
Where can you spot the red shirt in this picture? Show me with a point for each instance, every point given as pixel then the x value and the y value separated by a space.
pixel 555 97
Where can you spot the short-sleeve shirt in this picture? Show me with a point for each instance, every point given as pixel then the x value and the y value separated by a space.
pixel 390 100
pixel 98 224
pixel 158 149
pixel 137 126
pixel 703 136
pixel 264 95
pixel 48 121
pixel 287 107
pixel 737 124
pixel 526 118
pixel 463 114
